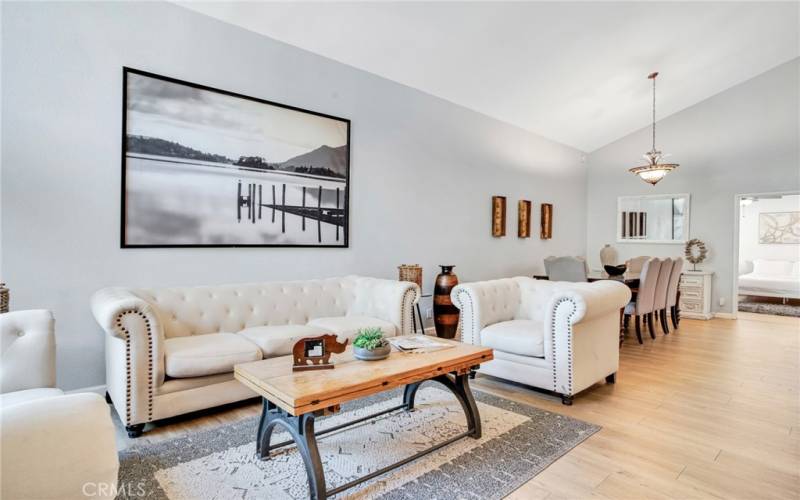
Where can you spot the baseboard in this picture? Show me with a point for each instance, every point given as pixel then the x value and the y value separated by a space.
pixel 723 315
pixel 97 389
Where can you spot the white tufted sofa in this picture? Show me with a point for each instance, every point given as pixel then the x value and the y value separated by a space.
pixel 558 336
pixel 171 351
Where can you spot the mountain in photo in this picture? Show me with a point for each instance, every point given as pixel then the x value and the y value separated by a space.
pixel 324 160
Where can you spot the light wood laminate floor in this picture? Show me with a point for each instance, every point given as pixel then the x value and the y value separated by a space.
pixel 709 411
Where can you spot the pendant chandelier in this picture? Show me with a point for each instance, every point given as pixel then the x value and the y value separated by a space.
pixel 654 171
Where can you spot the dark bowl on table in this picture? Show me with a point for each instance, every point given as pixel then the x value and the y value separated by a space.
pixel 616 270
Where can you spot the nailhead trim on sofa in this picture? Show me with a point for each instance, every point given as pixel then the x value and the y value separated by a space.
pixel 459 293
pixel 405 316
pixel 569 343
pixel 150 382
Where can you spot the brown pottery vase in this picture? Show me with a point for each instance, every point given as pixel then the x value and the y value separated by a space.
pixel 445 314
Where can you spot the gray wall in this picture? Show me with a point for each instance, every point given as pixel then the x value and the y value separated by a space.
pixel 423 170
pixel 743 140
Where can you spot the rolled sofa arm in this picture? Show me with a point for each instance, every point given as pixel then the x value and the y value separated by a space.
pixel 592 300
pixel 60 447
pixel 484 303
pixel 134 351
pixel 110 305
pixel 389 300
pixel 580 355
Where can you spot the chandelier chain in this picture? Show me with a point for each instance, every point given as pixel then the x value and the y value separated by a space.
pixel 654 113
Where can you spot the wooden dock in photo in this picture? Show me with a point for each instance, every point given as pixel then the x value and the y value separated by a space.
pixel 251 197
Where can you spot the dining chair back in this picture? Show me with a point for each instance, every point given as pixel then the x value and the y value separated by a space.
pixel 674 280
pixel 648 279
pixel 642 308
pixel 672 292
pixel 636 264
pixel 662 285
pixel 566 269
pixel 662 290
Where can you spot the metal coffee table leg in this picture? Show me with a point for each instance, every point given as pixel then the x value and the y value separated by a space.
pixel 301 429
pixel 459 385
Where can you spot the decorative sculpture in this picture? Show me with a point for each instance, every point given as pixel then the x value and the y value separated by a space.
pixel 695 252
pixel 318 351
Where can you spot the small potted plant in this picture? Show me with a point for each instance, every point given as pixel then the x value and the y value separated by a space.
pixel 370 345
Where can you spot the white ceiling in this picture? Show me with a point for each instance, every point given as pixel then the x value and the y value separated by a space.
pixel 572 72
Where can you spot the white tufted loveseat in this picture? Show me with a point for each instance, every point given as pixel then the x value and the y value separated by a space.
pixel 171 351
pixel 558 336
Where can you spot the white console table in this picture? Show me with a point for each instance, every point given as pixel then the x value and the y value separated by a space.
pixel 695 287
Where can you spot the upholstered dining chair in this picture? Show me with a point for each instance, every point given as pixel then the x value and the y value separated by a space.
pixel 642 308
pixel 672 292
pixel 572 269
pixel 662 290
pixel 636 264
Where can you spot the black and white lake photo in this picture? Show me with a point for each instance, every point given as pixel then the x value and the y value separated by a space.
pixel 204 167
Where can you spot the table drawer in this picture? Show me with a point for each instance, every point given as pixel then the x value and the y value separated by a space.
pixel 691 280
pixel 692 293
pixel 691 306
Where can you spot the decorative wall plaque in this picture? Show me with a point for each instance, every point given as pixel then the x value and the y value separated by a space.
pixel 547 221
pixel 498 216
pixel 524 219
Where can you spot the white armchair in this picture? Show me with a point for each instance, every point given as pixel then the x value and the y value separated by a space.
pixel 53 445
pixel 558 336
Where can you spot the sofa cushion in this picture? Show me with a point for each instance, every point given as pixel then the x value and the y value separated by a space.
pixel 200 355
pixel 519 336
pixel 279 340
pixel 17 397
pixel 348 326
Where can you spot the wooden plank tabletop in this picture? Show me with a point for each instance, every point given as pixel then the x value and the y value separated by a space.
pixel 305 391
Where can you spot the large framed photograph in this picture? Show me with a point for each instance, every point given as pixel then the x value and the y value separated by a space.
pixel 203 167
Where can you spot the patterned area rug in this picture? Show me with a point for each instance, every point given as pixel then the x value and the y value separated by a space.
pixel 518 442
pixel 770 308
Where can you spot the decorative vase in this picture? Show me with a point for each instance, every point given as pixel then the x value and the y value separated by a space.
pixel 608 255
pixel 372 354
pixel 445 314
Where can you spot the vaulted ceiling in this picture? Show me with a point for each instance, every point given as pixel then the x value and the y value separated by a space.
pixel 569 71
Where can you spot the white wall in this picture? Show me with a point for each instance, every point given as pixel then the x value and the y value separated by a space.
pixel 749 247
pixel 743 140
pixel 423 170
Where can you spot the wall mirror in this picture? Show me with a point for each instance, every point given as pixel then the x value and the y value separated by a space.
pixel 661 218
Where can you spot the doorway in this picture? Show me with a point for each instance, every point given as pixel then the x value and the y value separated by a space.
pixel 767 254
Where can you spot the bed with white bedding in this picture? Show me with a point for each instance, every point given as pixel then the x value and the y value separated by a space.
pixel 772 278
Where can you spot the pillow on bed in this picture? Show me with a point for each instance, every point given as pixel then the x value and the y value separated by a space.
pixel 772 267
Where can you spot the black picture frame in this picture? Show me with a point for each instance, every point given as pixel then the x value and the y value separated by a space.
pixel 124 244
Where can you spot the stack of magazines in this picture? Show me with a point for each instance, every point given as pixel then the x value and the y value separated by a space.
pixel 418 343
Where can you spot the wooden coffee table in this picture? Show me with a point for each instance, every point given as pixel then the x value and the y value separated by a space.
pixel 295 399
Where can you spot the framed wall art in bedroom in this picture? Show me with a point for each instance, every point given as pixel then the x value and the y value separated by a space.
pixel 203 167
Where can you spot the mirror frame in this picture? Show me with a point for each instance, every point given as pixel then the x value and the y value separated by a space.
pixel 686 218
